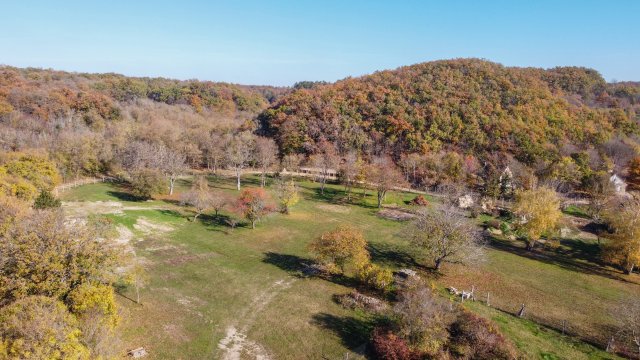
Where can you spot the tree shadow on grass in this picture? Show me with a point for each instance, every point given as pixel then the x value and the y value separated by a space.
pixel 221 222
pixel 336 196
pixel 301 267
pixel 123 196
pixel 561 257
pixel 354 333
pixel 391 255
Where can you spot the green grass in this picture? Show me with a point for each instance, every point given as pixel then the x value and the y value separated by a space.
pixel 206 278
pixel 578 211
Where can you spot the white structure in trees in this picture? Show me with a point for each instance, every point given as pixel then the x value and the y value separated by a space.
pixel 619 184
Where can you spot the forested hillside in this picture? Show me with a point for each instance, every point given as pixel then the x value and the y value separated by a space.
pixel 440 122
pixel 467 106
pixel 84 121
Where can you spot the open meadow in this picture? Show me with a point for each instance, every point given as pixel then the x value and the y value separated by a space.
pixel 217 292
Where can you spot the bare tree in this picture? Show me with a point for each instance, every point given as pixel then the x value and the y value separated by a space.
pixel 291 162
pixel 172 164
pixel 628 314
pixel 266 155
pixel 384 176
pixel 143 155
pixel 238 153
pixel 214 152
pixel 444 237
pixel 199 197
pixel 349 170
pixel 325 159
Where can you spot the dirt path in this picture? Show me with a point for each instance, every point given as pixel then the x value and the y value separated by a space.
pixel 235 345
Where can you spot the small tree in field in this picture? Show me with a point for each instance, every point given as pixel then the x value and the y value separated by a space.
pixel 384 176
pixel 623 248
pixel 539 213
pixel 340 248
pixel 253 204
pixel 444 237
pixel 199 197
pixel 287 194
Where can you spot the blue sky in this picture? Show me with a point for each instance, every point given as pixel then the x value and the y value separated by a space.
pixel 281 42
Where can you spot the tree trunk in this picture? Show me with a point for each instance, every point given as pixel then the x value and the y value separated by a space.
pixel 629 269
pixel 253 224
pixel 137 294
pixel 324 180
pixel 262 178
pixel 437 264
pixel 172 181
pixel 380 198
pixel 530 245
pixel 238 179
pixel 196 217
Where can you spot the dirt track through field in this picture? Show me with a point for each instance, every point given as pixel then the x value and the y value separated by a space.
pixel 235 344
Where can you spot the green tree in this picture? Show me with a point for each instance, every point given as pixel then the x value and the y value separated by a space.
pixel 46 200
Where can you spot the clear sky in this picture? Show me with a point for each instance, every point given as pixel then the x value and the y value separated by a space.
pixel 281 42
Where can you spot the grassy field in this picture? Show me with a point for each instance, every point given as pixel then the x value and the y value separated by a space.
pixel 214 292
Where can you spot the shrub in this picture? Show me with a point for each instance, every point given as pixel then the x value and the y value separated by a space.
pixel 474 337
pixel 388 346
pixel 375 276
pixel 46 200
pixel 419 200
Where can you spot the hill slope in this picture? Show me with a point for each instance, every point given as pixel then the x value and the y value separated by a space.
pixel 468 105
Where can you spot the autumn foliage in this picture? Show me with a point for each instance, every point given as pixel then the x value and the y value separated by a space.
pixel 254 204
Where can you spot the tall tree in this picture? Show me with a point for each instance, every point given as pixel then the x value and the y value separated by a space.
pixel 214 151
pixel 172 164
pixel 238 153
pixel 266 156
pixel 539 213
pixel 349 171
pixel 325 160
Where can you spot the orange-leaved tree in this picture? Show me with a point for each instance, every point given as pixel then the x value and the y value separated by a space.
pixel 253 203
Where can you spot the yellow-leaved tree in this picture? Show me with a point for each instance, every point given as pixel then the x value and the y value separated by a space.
pixel 341 249
pixel 623 248
pixel 538 211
